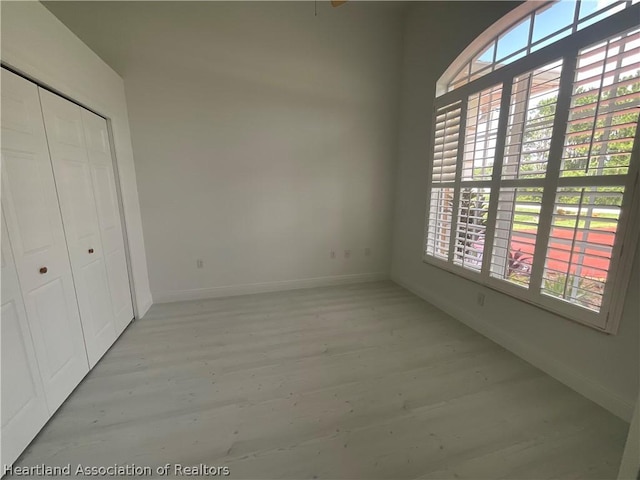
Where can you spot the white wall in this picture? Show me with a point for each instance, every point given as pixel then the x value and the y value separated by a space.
pixel 37 44
pixel 264 138
pixel 601 367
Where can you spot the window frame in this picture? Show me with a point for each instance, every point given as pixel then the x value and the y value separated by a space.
pixel 528 9
pixel 566 49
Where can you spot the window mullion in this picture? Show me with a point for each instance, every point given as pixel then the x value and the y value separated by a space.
pixel 456 190
pixel 553 170
pixel 530 35
pixel 496 175
pixel 576 18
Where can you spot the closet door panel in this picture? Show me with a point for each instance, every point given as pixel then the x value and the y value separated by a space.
pixel 24 408
pixel 32 215
pixel 72 173
pixel 100 160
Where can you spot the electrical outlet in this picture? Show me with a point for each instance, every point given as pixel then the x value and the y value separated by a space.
pixel 480 299
pixel 332 255
pixel 367 252
pixel 347 253
pixel 199 263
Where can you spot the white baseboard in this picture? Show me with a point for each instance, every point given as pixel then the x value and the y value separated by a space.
pixel 585 386
pixel 142 310
pixel 234 290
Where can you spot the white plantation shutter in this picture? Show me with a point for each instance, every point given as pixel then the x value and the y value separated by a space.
pixel 445 146
pixel 532 114
pixel 477 159
pixel 440 222
pixel 599 138
pixel 604 108
pixel 473 207
pixel 581 241
pixel 534 171
pixel 534 96
pixel 483 112
pixel 516 231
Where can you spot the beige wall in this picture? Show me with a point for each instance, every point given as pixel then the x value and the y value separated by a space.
pixel 601 367
pixel 264 138
pixel 37 44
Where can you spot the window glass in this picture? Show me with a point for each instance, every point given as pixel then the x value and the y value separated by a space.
pixel 514 40
pixel 587 8
pixel 552 18
pixel 484 60
pixel 552 39
pixel 605 13
pixel 547 24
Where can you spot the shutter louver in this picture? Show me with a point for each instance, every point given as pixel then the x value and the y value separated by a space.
pixel 445 145
pixel 443 175
pixel 473 208
pixel 440 223
pixel 604 109
pixel 481 131
pixel 602 124
pixel 515 235
pixel 583 231
pixel 531 117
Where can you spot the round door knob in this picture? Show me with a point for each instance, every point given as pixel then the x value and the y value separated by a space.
pixel 91 250
pixel 44 270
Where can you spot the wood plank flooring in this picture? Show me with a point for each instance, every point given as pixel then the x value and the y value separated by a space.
pixel 357 381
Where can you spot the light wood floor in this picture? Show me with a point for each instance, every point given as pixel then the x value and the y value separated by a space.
pixel 358 381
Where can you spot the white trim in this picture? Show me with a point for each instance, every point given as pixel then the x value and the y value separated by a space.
pixel 527 295
pixel 567 375
pixel 144 308
pixel 234 290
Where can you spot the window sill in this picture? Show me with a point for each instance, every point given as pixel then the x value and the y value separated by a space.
pixel 562 309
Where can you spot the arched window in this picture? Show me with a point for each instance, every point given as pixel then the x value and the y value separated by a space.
pixel 535 160
pixel 529 28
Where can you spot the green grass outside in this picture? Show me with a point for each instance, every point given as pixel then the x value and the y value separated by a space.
pixel 567 221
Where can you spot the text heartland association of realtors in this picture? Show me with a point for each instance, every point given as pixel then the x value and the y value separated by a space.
pixel 132 470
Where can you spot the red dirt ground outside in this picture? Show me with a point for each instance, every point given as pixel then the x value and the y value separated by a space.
pixel 595 263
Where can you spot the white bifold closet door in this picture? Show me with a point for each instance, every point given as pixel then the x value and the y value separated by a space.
pixel 38 244
pixel 24 408
pixel 104 187
pixel 83 172
pixel 65 285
